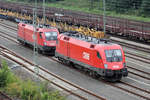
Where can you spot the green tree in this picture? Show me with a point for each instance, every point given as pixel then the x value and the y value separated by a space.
pixel 145 8
pixel 136 4
pixel 122 6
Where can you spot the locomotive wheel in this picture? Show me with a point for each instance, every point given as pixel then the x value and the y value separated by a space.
pixel 93 74
pixel 40 51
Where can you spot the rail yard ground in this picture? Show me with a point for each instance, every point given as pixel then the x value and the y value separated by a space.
pixel 134 30
pixel 29 78
pixel 82 85
pixel 79 78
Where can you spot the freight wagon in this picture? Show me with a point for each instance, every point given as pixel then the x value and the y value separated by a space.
pixel 118 26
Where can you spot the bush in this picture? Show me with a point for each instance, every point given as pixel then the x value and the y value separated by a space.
pixel 26 90
pixel 29 90
pixel 5 75
pixel 14 89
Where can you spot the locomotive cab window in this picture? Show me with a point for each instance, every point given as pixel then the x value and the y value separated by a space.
pixel 98 55
pixel 113 55
pixel 51 36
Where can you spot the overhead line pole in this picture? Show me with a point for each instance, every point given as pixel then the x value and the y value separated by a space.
pixel 35 49
pixel 44 15
pixel 104 16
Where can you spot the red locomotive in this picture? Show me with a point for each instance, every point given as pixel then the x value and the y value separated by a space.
pixel 46 37
pixel 99 57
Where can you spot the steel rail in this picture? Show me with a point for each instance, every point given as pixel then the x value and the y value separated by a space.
pixel 122 43
pixel 8 38
pixel 124 89
pixel 129 91
pixel 142 60
pixel 84 90
pixel 138 70
pixel 148 78
pixel 126 55
pixel 8 34
pixel 133 46
pixel 133 93
pixel 8 26
pixel 5 96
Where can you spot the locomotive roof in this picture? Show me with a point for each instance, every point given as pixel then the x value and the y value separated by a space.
pixel 40 25
pixel 89 39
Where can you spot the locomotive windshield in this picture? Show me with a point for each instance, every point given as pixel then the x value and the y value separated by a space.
pixel 51 36
pixel 114 55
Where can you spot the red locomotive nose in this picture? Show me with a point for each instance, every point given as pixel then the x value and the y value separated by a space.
pixel 114 59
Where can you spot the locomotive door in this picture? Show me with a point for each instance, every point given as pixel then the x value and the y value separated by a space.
pixel 39 38
pixel 67 47
pixel 23 32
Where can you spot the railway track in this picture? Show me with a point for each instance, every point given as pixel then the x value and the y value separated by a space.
pixel 8 26
pixel 133 46
pixel 4 96
pixel 134 56
pixel 129 28
pixel 137 57
pixel 120 86
pixel 9 37
pixel 145 75
pixel 132 89
pixel 145 60
pixel 137 88
pixel 80 92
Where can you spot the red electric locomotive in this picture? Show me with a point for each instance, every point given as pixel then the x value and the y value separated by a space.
pixel 46 37
pixel 99 57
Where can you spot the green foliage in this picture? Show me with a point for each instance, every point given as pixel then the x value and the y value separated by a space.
pixel 55 96
pixel 45 96
pixel 133 9
pixel 26 90
pixel 29 90
pixel 42 0
pixel 145 8
pixel 5 75
pixel 14 89
pixel 123 6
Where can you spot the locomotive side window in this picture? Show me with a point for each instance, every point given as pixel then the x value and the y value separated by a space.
pixel 98 55
pixel 113 55
pixel 51 36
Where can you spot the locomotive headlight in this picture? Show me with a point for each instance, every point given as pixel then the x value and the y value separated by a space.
pixel 45 43
pixel 106 66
